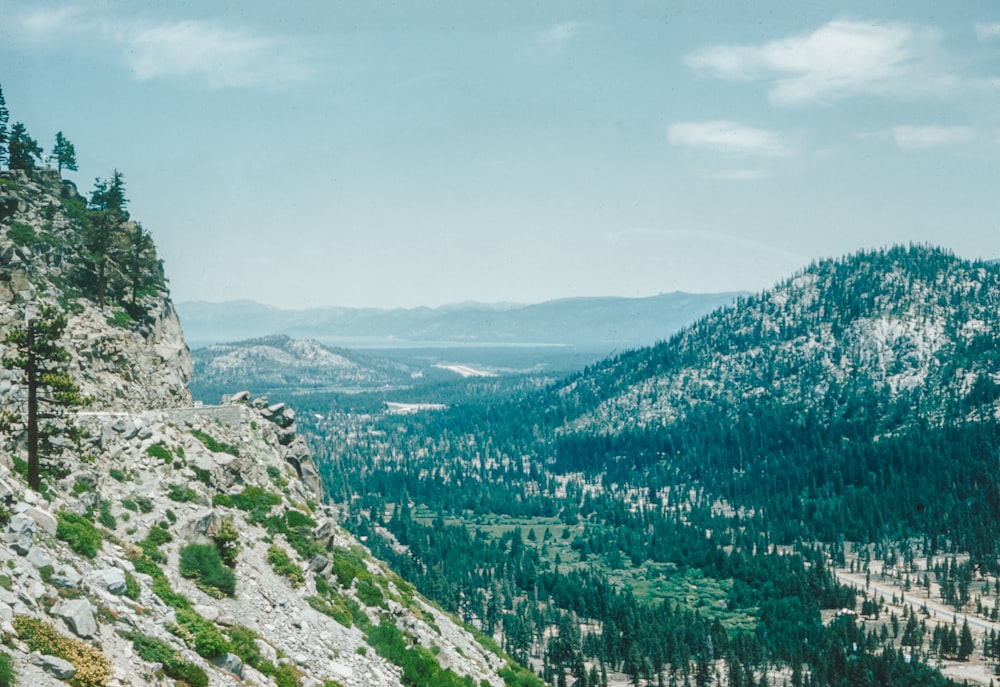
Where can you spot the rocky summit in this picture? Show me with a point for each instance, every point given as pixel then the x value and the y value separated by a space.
pixel 169 543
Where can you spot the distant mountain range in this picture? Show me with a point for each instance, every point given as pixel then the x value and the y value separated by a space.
pixel 586 322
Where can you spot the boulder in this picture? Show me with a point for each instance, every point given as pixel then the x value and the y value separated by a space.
pixel 111 579
pixel 44 520
pixel 267 652
pixel 230 662
pixel 39 557
pixel 202 527
pixel 20 533
pixel 54 666
pixel 79 617
pixel 66 577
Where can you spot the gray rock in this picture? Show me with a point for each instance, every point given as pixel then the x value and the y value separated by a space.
pixel 111 579
pixel 126 427
pixel 44 520
pixel 267 652
pixel 239 397
pixel 79 616
pixel 66 577
pixel 20 533
pixel 202 527
pixel 54 666
pixel 144 433
pixel 7 620
pixel 318 563
pixel 39 557
pixel 230 662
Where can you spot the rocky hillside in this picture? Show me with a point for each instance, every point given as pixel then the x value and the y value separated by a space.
pixel 120 362
pixel 278 363
pixel 172 544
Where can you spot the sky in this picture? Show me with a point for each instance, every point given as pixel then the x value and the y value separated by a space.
pixel 418 153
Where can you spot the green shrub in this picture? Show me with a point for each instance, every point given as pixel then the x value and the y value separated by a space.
pixel 222 500
pixel 283 565
pixel 370 595
pixel 132 589
pixel 227 541
pixel 181 494
pixel 105 517
pixel 255 499
pixel 129 504
pixel 81 535
pixel 144 503
pixel 203 476
pixel 156 537
pixel 82 487
pixel 160 451
pixel 203 563
pixel 119 474
pixel 518 676
pixel 213 445
pixel 174 666
pixel 347 566
pixel 21 234
pixel 7 674
pixel 241 643
pixel 200 634
pixel 296 518
pixel 287 675
pixel 336 609
pixel 120 318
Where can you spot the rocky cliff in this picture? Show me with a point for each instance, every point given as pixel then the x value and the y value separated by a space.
pixel 173 544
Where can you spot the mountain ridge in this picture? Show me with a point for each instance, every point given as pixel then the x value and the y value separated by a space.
pixel 606 321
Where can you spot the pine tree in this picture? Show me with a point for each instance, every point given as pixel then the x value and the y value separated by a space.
pixel 102 232
pixel 4 131
pixel 141 269
pixel 64 153
pixel 966 645
pixel 24 150
pixel 35 351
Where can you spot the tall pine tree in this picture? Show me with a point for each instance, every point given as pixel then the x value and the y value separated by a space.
pixel 36 353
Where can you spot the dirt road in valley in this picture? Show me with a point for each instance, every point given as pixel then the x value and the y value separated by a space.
pixel 936 608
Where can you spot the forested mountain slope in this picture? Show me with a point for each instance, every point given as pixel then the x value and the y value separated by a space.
pixel 863 377
pixel 679 509
pixel 909 333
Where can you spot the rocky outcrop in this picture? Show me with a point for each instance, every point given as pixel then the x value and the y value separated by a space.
pixel 173 542
pixel 119 362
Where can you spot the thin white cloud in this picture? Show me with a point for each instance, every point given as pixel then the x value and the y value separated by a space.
pixel 560 33
pixel 916 137
pixel 728 137
pixel 839 60
pixel 985 32
pixel 220 56
pixel 739 175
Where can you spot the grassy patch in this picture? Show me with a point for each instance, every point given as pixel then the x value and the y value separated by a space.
pixel 81 535
pixel 160 451
pixel 174 666
pixel 214 445
pixel 284 565
pixel 333 607
pixel 199 633
pixel 181 494
pixel 202 563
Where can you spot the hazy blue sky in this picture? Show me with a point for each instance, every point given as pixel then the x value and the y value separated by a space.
pixel 420 153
